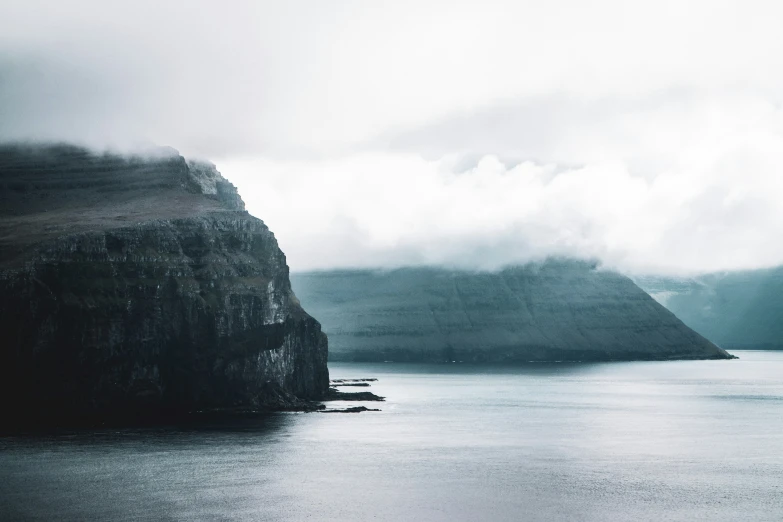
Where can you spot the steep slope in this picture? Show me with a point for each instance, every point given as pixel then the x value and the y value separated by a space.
pixel 552 311
pixel 141 284
pixel 736 310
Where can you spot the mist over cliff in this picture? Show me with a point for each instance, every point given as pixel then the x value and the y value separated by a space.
pixel 140 283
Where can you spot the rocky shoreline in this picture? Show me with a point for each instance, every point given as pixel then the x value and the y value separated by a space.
pixel 290 403
pixel 277 401
pixel 333 394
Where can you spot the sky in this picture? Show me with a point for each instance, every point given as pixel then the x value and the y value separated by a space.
pixel 648 135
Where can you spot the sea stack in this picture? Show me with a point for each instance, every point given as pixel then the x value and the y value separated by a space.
pixel 554 310
pixel 140 284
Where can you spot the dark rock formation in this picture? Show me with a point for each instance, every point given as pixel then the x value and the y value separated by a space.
pixel 142 284
pixel 336 395
pixel 736 310
pixel 558 310
pixel 353 409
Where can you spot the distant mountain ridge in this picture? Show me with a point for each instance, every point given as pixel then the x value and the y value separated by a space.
pixel 736 310
pixel 557 310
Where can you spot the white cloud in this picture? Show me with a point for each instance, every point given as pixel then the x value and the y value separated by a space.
pixel 300 77
pixel 710 203
pixel 644 133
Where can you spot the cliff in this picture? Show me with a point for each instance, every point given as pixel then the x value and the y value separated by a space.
pixel 141 284
pixel 558 310
pixel 736 310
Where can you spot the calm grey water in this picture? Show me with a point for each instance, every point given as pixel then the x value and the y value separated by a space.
pixel 624 441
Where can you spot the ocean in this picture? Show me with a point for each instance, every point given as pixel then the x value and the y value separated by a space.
pixel 657 441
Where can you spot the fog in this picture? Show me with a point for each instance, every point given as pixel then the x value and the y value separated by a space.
pixel 477 134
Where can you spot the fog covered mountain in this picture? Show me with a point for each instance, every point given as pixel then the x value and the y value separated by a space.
pixel 557 310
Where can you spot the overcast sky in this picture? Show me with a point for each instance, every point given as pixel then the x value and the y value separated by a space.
pixel 646 134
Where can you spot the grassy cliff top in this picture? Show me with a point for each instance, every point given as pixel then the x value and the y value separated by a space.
pixel 51 190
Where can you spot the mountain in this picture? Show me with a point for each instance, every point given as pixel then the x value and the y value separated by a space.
pixel 736 310
pixel 557 310
pixel 141 284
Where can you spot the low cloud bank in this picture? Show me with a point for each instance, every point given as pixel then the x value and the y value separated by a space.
pixel 716 207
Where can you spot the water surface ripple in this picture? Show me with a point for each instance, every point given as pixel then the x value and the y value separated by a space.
pixel 691 440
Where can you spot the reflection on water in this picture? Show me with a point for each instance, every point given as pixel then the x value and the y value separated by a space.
pixel 692 440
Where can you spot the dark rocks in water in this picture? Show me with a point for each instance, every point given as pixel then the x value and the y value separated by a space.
pixel 351 382
pixel 736 310
pixel 276 398
pixel 354 409
pixel 301 407
pixel 293 405
pixel 336 395
pixel 134 285
pixel 557 310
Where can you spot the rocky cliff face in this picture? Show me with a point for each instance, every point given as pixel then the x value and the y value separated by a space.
pixel 142 284
pixel 736 310
pixel 558 310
